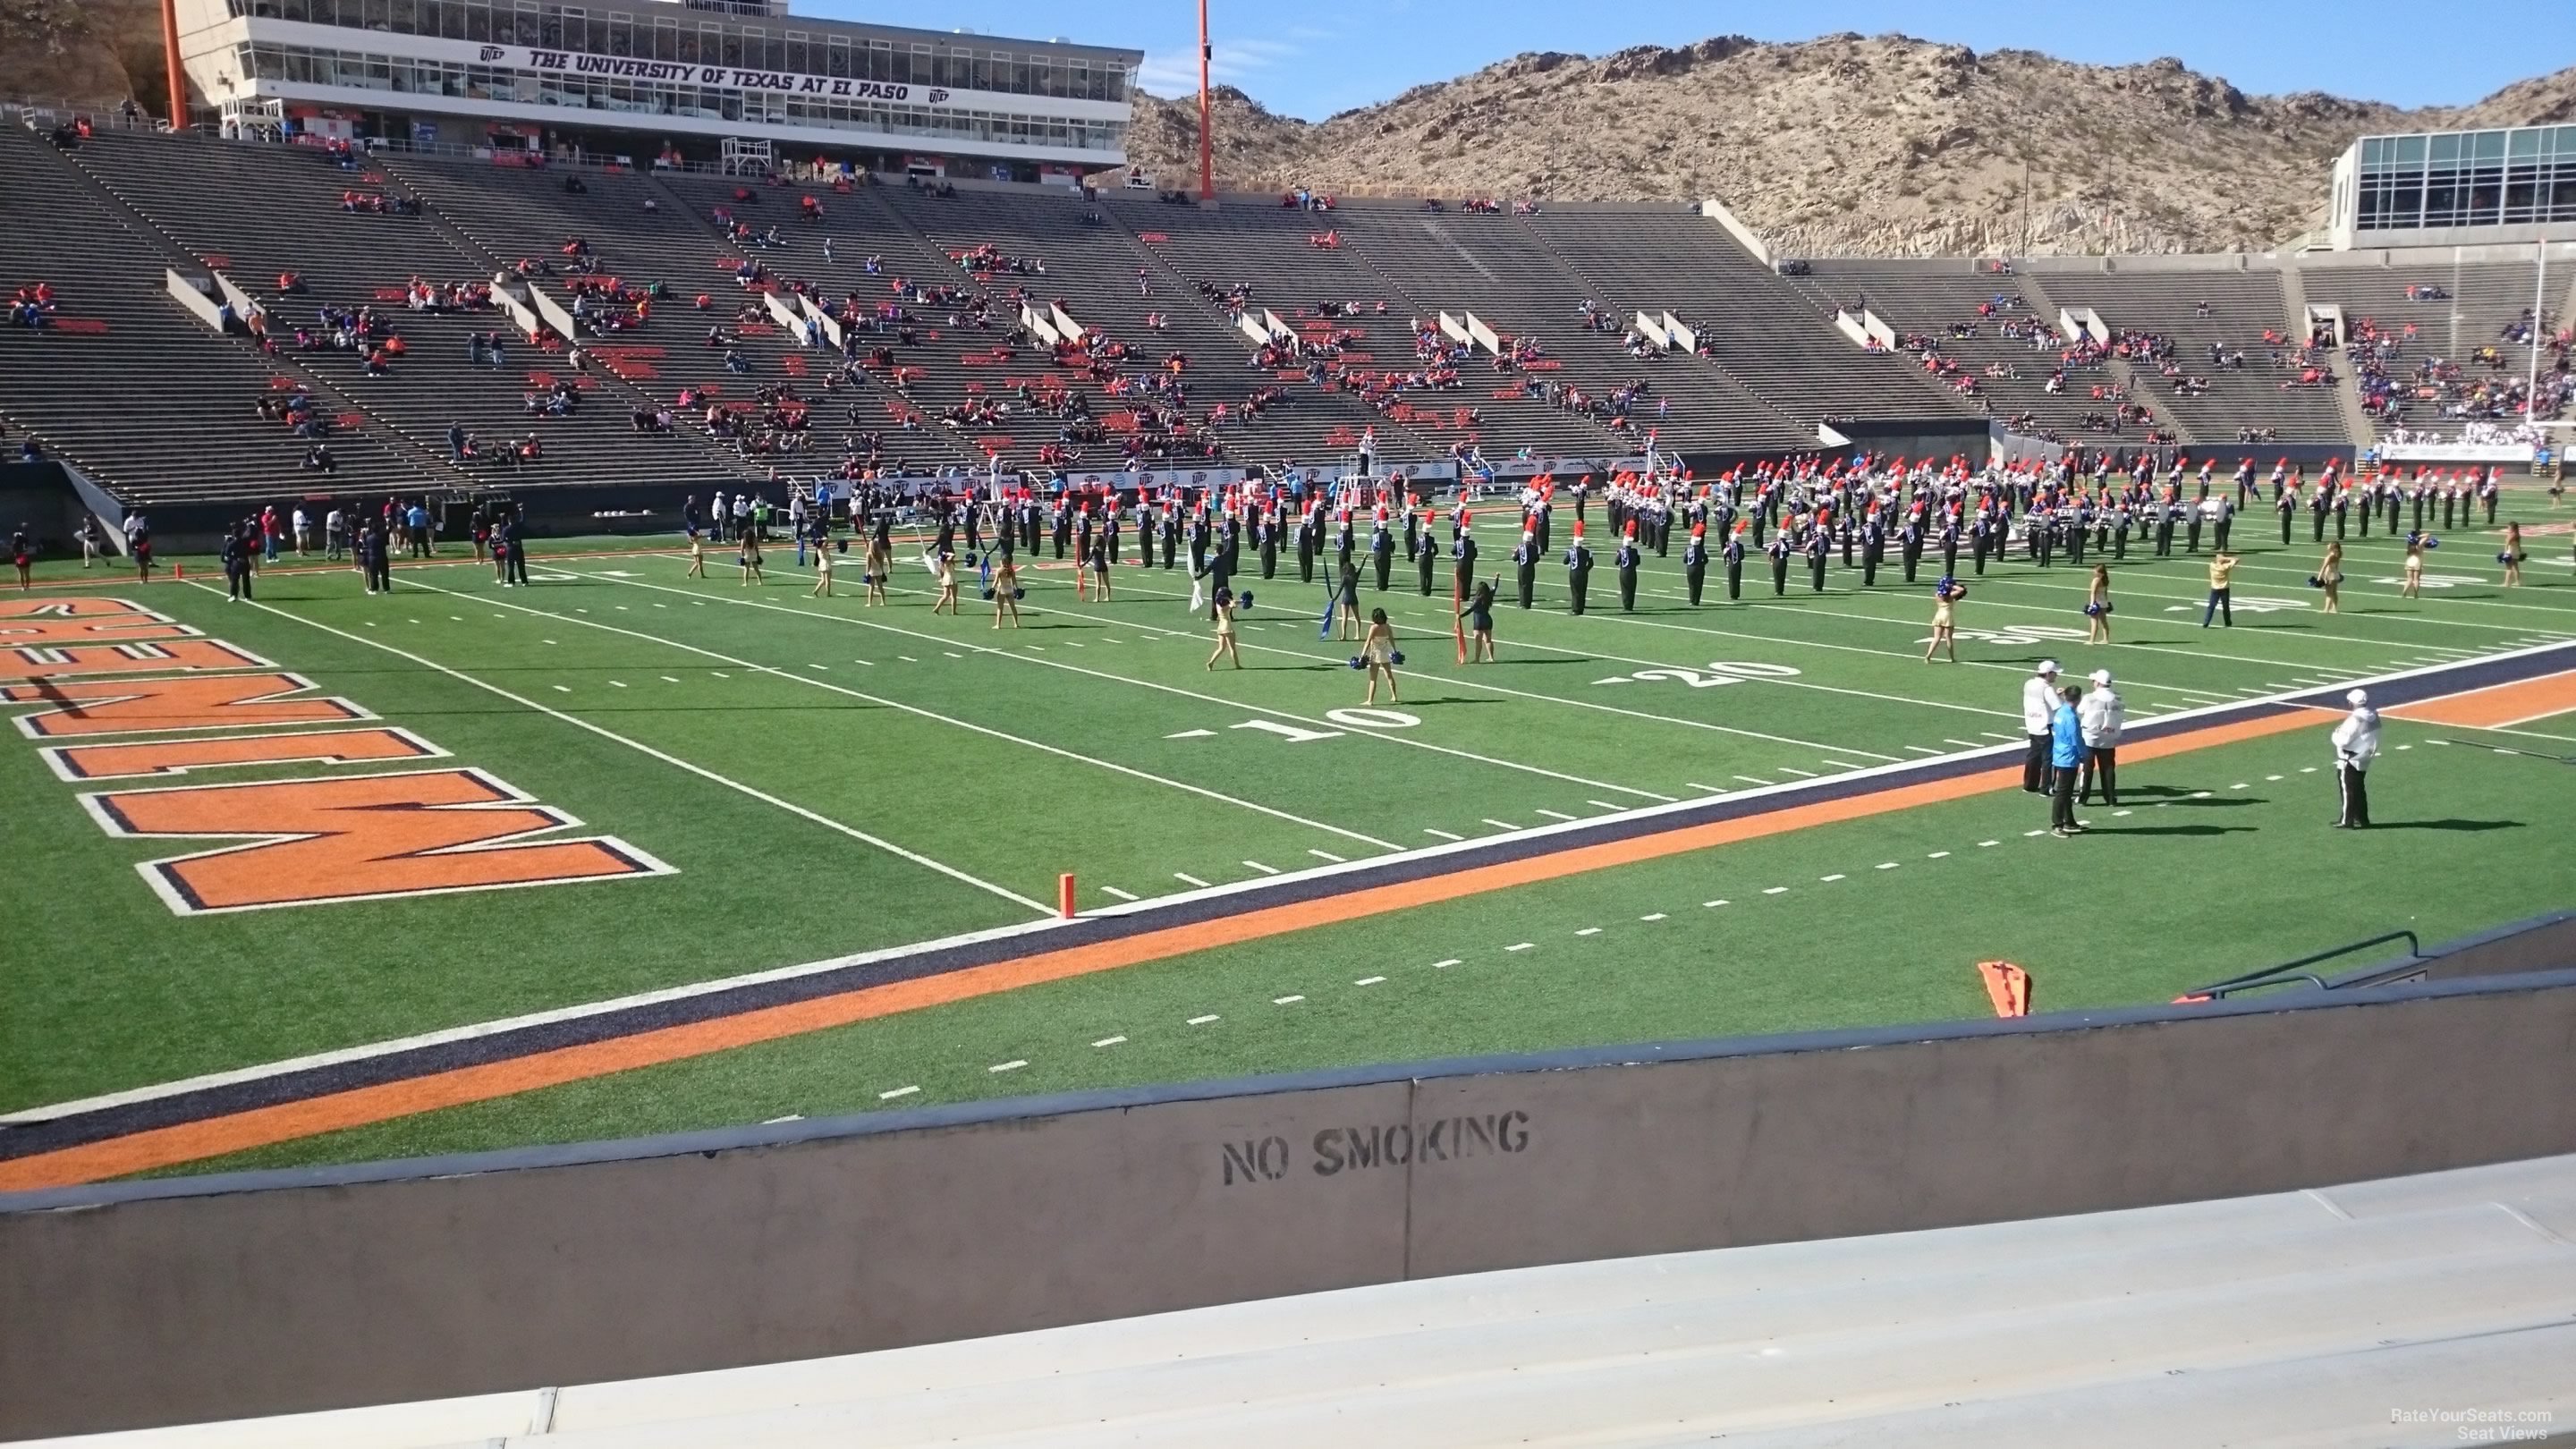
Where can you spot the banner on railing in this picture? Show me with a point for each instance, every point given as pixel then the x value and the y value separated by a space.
pixel 2455 452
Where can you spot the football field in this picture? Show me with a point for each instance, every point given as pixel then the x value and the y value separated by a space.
pixel 328 876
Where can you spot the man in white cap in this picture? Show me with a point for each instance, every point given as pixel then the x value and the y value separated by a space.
pixel 2356 744
pixel 2103 716
pixel 2038 703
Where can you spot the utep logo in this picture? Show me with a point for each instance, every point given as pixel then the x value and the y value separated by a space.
pixel 492 53
pixel 936 96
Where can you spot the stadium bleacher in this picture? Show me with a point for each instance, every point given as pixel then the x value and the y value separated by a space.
pixel 116 334
pixel 2242 313
pixel 939 374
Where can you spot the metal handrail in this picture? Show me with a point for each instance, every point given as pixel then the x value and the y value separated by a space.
pixel 2289 971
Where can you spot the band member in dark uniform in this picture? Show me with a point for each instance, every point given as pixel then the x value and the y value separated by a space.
pixel 1733 553
pixel 1873 542
pixel 1525 561
pixel 1171 534
pixel 2287 504
pixel 1817 546
pixel 1624 559
pixel 1578 567
pixel 1695 560
pixel 1464 551
pixel 1382 547
pixel 1980 537
pixel 1778 548
pixel 1428 559
pixel 1949 549
pixel 1063 524
pixel 1412 535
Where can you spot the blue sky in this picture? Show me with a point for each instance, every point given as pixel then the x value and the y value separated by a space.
pixel 1312 58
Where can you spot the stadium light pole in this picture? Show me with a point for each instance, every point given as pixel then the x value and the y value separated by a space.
pixel 172 75
pixel 2539 302
pixel 1207 141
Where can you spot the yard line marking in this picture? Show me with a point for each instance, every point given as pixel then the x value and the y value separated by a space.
pixel 1604 804
pixel 1696 785
pixel 1936 855
pixel 2271 777
pixel 1557 814
pixel 1775 890
pixel 1189 880
pixel 1444 965
pixel 2307 769
pixel 2116 814
pixel 1845 765
pixel 1443 834
pixel 1711 905
pixel 617 684
pixel 1324 855
pixel 1286 1000
pixel 2202 794
pixel 1112 641
pixel 1837 875
pixel 1500 824
pixel 897 1092
pixel 790 1117
pixel 1010 1066
pixel 1122 895
pixel 1264 869
pixel 1134 683
pixel 458 618
pixel 1203 1020
pixel 667 679
pixel 1801 774
pixel 2027 834
pixel 1040 648
pixel 1887 865
pixel 675 761
pixel 906 658
pixel 718 673
pixel 2011 739
pixel 1092 760
pixel 1368 981
pixel 1756 780
pixel 1970 744
pixel 1109 1041
pixel 1923 750
pixel 1589 931
pixel 1657 916
pixel 2240 785
pixel 1070 644
pixel 563 689
pixel 818 666
pixel 1984 843
pixel 1523 946
pixel 953 654
pixel 1192 735
pixel 868 662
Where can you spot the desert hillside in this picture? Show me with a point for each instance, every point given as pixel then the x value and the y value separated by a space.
pixel 86 52
pixel 1846 144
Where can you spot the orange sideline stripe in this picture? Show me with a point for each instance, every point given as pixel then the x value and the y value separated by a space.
pixel 337 1111
pixel 2497 705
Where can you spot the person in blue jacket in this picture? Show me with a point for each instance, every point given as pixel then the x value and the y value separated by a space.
pixel 2065 756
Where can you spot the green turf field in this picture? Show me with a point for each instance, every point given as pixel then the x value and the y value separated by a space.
pixel 820 778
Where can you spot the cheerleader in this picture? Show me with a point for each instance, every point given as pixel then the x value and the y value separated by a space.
pixel 880 563
pixel 2330 577
pixel 1945 620
pixel 750 558
pixel 1480 623
pixel 822 573
pixel 1100 562
pixel 22 552
pixel 697 549
pixel 1350 599
pixel 2097 607
pixel 1377 652
pixel 2511 558
pixel 945 566
pixel 2413 588
pixel 1006 591
pixel 1225 646
pixel 1081 570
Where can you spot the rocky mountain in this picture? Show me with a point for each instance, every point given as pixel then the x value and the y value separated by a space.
pixel 84 52
pixel 1847 144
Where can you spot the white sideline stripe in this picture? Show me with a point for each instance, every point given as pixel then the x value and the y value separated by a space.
pixel 1134 683
pixel 1023 928
pixel 1198 790
pixel 675 761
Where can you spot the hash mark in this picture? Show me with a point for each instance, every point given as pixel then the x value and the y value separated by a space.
pixel 1523 946
pixel 1115 891
pixel 1286 1000
pixel 1444 965
pixel 1589 931
pixel 1202 1020
pixel 1010 1066
pixel 1264 869
pixel 1657 916
pixel 1443 834
pixel 1936 855
pixel 1109 1041
pixel 1775 890
pixel 1556 814
pixel 897 1092
pixel 1189 880
pixel 1324 854
pixel 1837 875
pixel 1368 981
pixel 1500 824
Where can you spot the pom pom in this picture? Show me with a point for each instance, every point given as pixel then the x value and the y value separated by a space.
pixel 2315 583
pixel 1018 594
pixel 867 578
pixel 840 545
pixel 1246 601
pixel 1397 656
pixel 2092 611
pixel 2504 558
pixel 1358 663
pixel 2106 606
pixel 2431 542
pixel 988 595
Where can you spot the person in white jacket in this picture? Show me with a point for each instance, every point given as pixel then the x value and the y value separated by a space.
pixel 2038 702
pixel 2102 715
pixel 2356 744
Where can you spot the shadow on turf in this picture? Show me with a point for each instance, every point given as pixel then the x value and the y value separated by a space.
pixel 2168 829
pixel 2468 825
